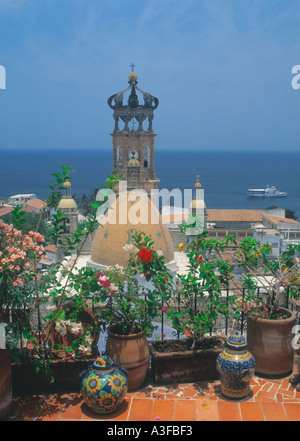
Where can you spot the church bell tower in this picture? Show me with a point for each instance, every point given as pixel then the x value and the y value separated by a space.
pixel 129 138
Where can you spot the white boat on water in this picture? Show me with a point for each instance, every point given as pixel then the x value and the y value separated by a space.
pixel 266 192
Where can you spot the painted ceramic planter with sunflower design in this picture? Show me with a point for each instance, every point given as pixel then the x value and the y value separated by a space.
pixel 104 385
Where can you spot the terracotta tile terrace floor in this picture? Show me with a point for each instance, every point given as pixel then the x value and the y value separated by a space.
pixel 267 400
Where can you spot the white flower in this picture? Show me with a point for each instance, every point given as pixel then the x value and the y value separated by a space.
pixel 50 307
pixel 119 267
pixel 61 328
pixel 63 325
pixel 128 247
pixel 76 327
pixel 113 287
pixel 89 339
pixel 70 292
pixel 160 253
pixel 103 278
pixel 84 349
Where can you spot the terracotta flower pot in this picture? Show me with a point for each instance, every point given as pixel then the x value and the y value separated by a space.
pixel 270 343
pixel 5 384
pixel 132 352
pixel 188 365
pixel 66 375
pixel 295 377
pixel 86 318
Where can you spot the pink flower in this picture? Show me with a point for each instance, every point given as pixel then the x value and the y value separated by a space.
pixel 37 236
pixel 103 280
pixel 17 282
pixel 164 308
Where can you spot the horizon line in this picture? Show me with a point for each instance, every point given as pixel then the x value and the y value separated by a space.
pixel 256 150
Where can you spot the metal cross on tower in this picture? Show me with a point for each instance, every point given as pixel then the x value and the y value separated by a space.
pixel 132 65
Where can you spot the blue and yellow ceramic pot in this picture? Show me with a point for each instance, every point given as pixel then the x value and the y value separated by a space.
pixel 236 367
pixel 104 385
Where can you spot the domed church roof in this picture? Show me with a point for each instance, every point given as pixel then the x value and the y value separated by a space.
pixel 132 212
pixel 67 202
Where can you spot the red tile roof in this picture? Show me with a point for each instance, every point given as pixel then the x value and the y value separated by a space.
pixel 36 203
pixel 232 215
pixel 276 219
pixel 28 209
pixel 51 248
pixel 5 210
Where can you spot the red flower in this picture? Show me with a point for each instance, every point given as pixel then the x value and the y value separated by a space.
pixel 145 255
pixel 200 259
pixel 103 280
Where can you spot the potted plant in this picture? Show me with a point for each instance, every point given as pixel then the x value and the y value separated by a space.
pixel 128 311
pixel 17 251
pixel 193 305
pixel 269 323
pixel 5 384
pixel 52 327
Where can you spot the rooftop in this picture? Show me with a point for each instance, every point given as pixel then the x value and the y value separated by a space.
pixel 5 210
pixel 277 219
pixel 22 195
pixel 36 203
pixel 233 215
pixel 51 248
pixel 28 209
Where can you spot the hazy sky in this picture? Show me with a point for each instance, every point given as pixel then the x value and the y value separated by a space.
pixel 221 70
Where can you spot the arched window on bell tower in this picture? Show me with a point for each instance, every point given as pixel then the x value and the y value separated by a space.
pixel 146 157
pixel 119 156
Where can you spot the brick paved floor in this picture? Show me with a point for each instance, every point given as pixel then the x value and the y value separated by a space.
pixel 267 400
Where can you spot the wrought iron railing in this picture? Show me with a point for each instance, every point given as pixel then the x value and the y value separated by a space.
pixel 224 324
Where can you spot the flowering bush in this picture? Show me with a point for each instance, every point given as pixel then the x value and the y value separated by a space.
pixel 272 275
pixel 44 327
pixel 126 304
pixel 193 304
pixel 260 310
pixel 74 332
pixel 19 254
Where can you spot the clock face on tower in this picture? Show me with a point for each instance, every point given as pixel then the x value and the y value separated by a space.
pixel 133 154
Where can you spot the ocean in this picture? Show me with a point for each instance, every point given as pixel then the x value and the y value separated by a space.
pixel 225 175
